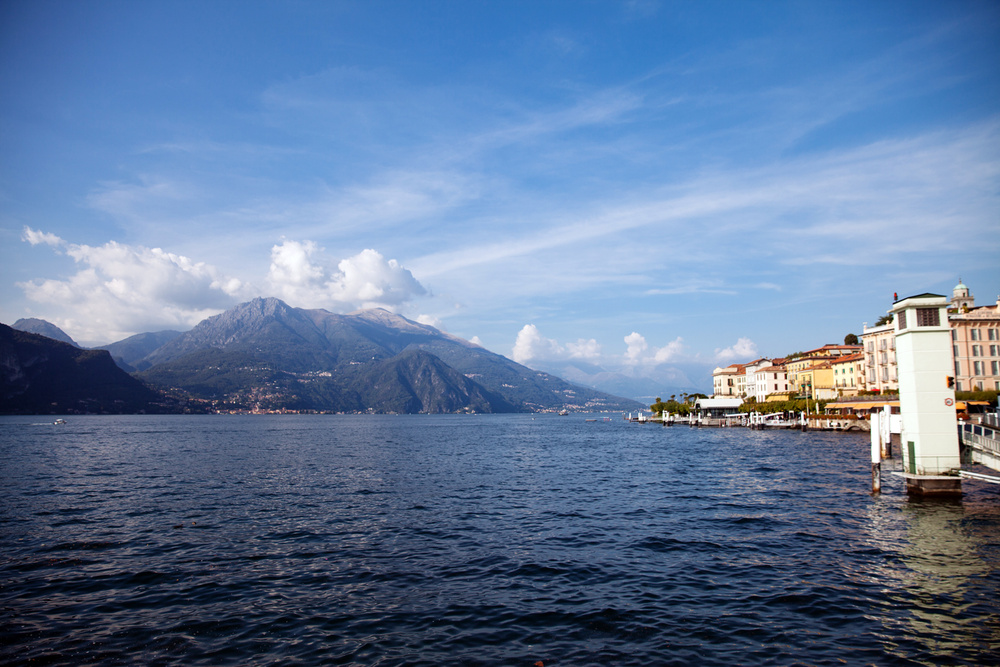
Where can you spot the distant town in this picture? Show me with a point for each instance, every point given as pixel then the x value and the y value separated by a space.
pixel 860 375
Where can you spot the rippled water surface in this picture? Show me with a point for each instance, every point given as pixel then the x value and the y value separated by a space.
pixel 484 540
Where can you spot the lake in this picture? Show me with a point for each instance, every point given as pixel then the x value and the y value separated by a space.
pixel 478 540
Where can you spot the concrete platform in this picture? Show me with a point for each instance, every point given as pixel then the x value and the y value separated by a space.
pixel 932 485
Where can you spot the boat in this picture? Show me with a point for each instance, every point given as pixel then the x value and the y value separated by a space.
pixel 563 413
pixel 59 421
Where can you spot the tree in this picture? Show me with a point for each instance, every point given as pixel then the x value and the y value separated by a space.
pixel 885 319
pixel 850 339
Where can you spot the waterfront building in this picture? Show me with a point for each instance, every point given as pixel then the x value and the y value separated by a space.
pixel 725 381
pixel 802 381
pixel 769 380
pixel 975 337
pixel 848 374
pixel 748 384
pixel 879 349
pixel 817 381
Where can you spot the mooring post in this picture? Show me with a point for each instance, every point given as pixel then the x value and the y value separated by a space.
pixel 886 432
pixel 876 434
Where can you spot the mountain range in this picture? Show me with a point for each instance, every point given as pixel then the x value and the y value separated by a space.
pixel 267 355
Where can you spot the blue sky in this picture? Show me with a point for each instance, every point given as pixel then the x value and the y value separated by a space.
pixel 654 188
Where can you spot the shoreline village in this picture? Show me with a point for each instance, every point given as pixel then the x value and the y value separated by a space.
pixel 896 383
pixel 839 387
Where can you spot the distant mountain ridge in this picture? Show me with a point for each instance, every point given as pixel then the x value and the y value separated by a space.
pixel 130 352
pixel 273 355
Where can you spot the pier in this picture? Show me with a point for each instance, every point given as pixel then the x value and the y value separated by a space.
pixel 980 443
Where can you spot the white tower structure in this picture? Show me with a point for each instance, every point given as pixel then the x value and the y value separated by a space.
pixel 927 395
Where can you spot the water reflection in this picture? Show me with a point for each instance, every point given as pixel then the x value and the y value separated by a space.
pixel 937 556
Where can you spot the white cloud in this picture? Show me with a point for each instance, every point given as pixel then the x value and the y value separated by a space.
pixel 300 274
pixel 636 347
pixel 35 237
pixel 743 349
pixel 584 349
pixel 532 346
pixel 671 351
pixel 119 290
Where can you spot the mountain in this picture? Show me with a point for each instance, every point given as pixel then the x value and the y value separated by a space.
pixel 129 353
pixel 40 375
pixel 43 328
pixel 265 353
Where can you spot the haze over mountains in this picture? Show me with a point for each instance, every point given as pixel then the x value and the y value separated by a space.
pixel 265 354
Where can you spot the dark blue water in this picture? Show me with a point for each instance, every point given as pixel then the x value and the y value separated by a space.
pixel 489 540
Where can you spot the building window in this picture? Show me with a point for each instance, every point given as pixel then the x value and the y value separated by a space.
pixel 994 349
pixel 955 348
pixel 902 320
pixel 994 334
pixel 954 334
pixel 973 334
pixel 958 368
pixel 883 344
pixel 995 367
pixel 977 368
pixel 928 317
pixel 977 350
pixel 885 375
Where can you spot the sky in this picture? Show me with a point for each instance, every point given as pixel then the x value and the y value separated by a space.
pixel 649 188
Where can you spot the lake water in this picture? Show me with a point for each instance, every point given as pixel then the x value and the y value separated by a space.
pixel 478 540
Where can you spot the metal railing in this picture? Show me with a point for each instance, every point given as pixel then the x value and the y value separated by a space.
pixel 980 436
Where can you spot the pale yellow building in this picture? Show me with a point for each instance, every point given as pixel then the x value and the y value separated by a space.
pixel 849 374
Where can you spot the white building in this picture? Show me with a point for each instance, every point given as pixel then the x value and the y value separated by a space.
pixel 769 380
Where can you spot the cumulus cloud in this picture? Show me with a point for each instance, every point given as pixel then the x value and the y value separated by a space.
pixel 531 345
pixel 743 349
pixel 636 347
pixel 671 351
pixel 301 275
pixel 637 350
pixel 119 289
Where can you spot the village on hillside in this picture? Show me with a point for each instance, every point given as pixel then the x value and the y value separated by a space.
pixel 846 383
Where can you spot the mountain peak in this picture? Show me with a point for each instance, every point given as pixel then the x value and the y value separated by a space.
pixel 43 328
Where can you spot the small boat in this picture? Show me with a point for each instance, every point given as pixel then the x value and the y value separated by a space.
pixel 563 413
pixel 59 421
